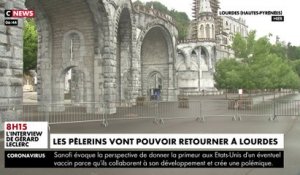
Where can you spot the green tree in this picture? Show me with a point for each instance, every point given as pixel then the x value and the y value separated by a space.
pixel 227 74
pixel 30 46
pixel 296 65
pixel 261 65
pixel 293 52
pixel 138 3
pixel 250 42
pixel 262 47
pixel 182 23
pixel 279 49
pixel 158 6
pixel 239 46
pixel 244 47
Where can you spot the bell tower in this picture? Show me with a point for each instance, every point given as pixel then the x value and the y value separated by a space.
pixel 206 19
pixel 206 22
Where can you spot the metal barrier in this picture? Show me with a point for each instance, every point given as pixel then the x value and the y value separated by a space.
pixel 286 108
pixel 129 111
pixel 54 113
pixel 216 108
pixel 156 110
pixel 178 110
pixel 74 113
pixel 259 109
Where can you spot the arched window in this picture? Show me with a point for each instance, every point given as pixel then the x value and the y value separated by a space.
pixel 225 41
pixel 201 31
pixel 155 81
pixel 74 46
pixel 213 31
pixel 207 31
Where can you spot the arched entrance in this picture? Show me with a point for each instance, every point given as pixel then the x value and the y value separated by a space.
pixel 155 84
pixel 157 56
pixel 76 80
pixel 74 86
pixel 69 42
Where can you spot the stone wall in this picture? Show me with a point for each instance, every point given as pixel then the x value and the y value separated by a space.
pixel 11 64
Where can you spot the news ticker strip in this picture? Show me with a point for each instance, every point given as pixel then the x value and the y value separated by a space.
pixel 144 159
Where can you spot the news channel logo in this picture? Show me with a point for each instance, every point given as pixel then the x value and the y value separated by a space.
pixel 16 14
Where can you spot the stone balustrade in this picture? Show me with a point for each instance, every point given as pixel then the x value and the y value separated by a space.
pixel 153 12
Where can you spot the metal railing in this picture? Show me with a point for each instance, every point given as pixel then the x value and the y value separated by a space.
pixel 157 110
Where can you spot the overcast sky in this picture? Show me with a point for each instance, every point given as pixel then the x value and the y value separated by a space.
pixel 288 31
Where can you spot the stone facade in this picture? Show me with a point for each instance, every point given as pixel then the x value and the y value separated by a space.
pixel 115 51
pixel 230 27
pixel 195 65
pixel 111 47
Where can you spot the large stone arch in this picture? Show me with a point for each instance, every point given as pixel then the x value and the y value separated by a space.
pixel 156 48
pixel 44 56
pixel 85 94
pixel 168 34
pixel 102 15
pixel 124 51
pixel 126 6
pixel 55 26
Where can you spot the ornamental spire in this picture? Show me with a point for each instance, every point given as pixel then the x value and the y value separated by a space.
pixel 205 6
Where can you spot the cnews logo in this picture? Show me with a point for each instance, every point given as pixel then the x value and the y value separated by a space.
pixel 19 13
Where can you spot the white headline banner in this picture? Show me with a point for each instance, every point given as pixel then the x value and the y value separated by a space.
pixel 167 141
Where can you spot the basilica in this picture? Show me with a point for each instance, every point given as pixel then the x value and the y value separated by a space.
pixel 209 40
